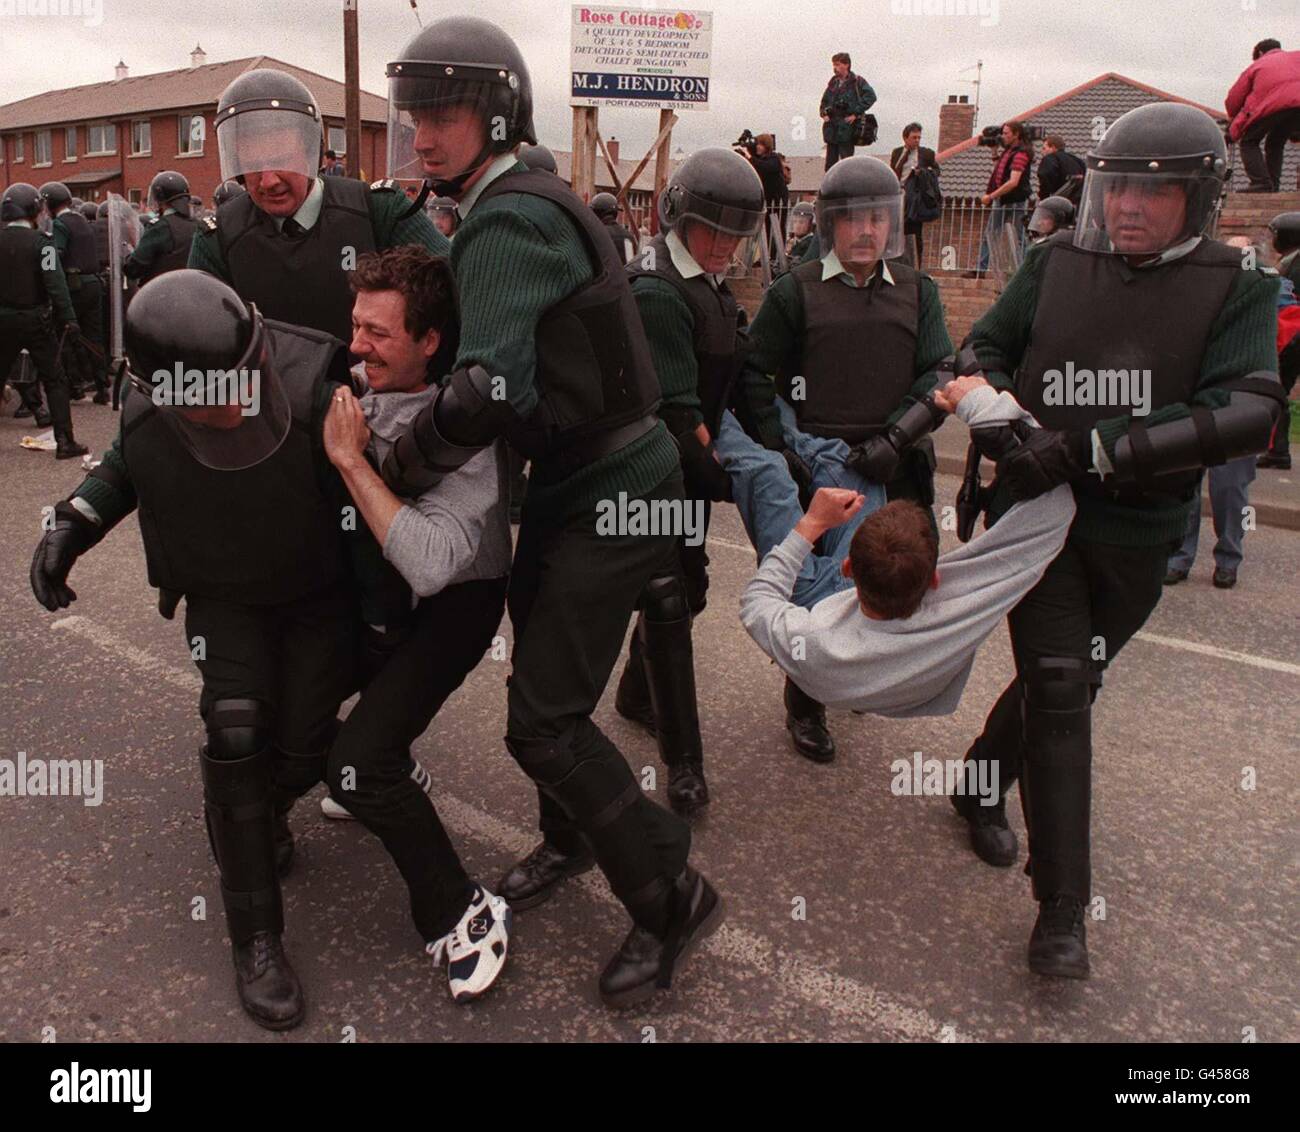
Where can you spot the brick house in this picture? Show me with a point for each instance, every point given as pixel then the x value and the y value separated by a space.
pixel 113 137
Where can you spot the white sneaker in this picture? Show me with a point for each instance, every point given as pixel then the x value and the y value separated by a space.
pixel 475 949
pixel 332 810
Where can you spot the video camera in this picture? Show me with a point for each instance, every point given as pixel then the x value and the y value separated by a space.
pixel 746 142
pixel 991 136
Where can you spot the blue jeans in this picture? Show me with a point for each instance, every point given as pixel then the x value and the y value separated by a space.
pixel 1229 494
pixel 768 500
pixel 1000 214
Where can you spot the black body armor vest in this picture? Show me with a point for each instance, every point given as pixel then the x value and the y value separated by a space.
pixel 299 279
pixel 180 230
pixel 80 254
pixel 859 351
pixel 621 237
pixel 594 370
pixel 21 284
pixel 262 536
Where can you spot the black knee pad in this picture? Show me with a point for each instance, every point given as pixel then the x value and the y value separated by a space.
pixel 238 729
pixel 665 599
pixel 1059 691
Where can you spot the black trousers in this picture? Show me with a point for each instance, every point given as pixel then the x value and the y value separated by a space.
pixel 88 303
pixel 572 594
pixel 916 228
pixel 835 152
pixel 1089 603
pixel 369 765
pixel 33 330
pixel 1273 131
pixel 297 659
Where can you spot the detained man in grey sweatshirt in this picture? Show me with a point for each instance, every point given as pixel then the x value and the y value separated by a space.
pixel 851 656
pixel 449 552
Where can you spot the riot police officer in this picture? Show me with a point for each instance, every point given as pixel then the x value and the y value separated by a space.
pixel 802 231
pixel 75 239
pixel 1285 229
pixel 854 340
pixel 239 514
pixel 713 201
pixel 31 283
pixel 225 191
pixel 1198 348
pixel 605 206
pixel 538 157
pixel 165 245
pixel 1052 214
pixel 288 243
pixel 90 210
pixel 546 306
pixel 442 210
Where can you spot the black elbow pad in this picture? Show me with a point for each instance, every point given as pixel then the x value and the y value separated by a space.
pixel 917 422
pixel 1207 438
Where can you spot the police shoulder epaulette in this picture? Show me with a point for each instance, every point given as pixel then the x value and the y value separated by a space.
pixel 208 223
pixel 384 186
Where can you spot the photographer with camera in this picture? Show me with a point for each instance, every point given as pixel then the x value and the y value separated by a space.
pixel 1008 188
pixel 844 106
pixel 774 172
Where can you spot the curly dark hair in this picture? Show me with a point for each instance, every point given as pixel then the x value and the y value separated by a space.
pixel 428 286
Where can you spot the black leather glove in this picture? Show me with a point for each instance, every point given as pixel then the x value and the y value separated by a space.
pixel 72 535
pixel 703 473
pixel 995 441
pixel 875 460
pixel 1043 460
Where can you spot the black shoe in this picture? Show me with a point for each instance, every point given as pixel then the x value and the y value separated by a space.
pixel 101 397
pixel 991 837
pixel 43 419
pixel 77 393
pixel 805 719
pixel 283 844
pixel 533 880
pixel 645 963
pixel 22 413
pixel 1173 577
pixel 1268 460
pixel 687 791
pixel 268 988
pixel 1059 943
pixel 69 450
pixel 1224 579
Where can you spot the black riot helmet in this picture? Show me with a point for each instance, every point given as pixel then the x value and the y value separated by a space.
pixel 203 356
pixel 538 157
pixel 802 219
pixel 170 190
pixel 605 206
pixel 55 194
pixel 1286 232
pixel 225 191
pixel 1155 180
pixel 458 61
pixel 89 209
pixel 717 188
pixel 76 203
pixel 1052 215
pixel 21 201
pixel 867 192
pixel 101 213
pixel 268 121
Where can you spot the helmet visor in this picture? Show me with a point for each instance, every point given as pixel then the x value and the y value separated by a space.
pixel 442 121
pixel 228 420
pixel 1144 213
pixel 861 230
pixel 727 219
pixel 271 140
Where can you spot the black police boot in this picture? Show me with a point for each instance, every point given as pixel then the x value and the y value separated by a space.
pixel 990 836
pixel 1059 943
pixel 533 880
pixel 69 449
pixel 688 793
pixel 805 719
pixel 283 844
pixel 632 699
pixel 22 413
pixel 43 418
pixel 646 962
pixel 268 986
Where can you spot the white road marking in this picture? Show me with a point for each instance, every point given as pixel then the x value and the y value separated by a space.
pixel 1221 654
pixel 796 973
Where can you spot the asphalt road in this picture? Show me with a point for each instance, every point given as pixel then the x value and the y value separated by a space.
pixel 907 936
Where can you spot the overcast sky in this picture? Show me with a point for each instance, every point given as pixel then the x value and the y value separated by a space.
pixel 770 59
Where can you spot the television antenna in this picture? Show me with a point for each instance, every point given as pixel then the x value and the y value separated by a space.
pixel 975 82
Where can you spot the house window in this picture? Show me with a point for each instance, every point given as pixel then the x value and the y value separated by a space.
pixel 141 138
pixel 43 153
pixel 134 196
pixel 18 148
pixel 338 140
pixel 190 134
pixel 101 138
pixel 70 144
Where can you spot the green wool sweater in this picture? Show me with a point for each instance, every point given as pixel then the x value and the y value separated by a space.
pixel 1242 339
pixel 670 330
pixel 386 206
pixel 777 335
pixel 514 257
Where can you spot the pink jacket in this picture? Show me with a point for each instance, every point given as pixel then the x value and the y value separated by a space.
pixel 1271 83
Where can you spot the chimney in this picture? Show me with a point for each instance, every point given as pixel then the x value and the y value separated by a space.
pixel 198 57
pixel 956 121
pixel 120 71
pixel 612 146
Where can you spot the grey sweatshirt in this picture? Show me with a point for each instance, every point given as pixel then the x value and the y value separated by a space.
pixel 458 530
pixel 919 665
